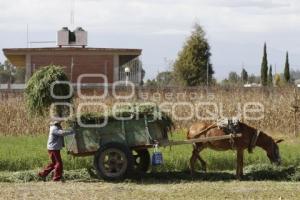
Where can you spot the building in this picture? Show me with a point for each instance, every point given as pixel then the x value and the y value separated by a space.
pixel 71 53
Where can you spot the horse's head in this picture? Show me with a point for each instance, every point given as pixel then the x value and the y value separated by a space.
pixel 273 152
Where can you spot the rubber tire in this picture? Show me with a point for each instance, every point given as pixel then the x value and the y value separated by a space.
pixel 144 160
pixel 128 155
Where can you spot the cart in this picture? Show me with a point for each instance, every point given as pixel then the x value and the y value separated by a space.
pixel 120 148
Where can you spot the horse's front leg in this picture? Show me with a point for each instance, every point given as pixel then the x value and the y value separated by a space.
pixel 194 157
pixel 240 163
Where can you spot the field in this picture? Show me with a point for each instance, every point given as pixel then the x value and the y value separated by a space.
pixel 276 102
pixel 28 154
pixel 23 153
pixel 182 190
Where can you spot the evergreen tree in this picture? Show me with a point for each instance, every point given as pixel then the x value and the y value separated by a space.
pixel 193 66
pixel 165 78
pixel 287 75
pixel 233 78
pixel 244 76
pixel 270 77
pixel 264 68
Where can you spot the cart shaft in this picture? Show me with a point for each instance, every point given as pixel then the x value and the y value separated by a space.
pixel 201 140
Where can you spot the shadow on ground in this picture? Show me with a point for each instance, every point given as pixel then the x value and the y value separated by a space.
pixel 252 173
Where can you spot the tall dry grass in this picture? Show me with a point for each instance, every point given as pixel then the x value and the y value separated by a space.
pixel 278 115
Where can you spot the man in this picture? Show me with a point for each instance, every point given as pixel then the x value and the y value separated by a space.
pixel 54 145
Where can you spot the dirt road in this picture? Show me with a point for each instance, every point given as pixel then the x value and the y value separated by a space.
pixel 184 190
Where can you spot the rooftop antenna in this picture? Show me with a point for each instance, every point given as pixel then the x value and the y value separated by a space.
pixel 243 67
pixel 27 36
pixel 72 16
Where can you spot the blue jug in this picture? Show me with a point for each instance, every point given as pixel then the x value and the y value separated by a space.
pixel 157 158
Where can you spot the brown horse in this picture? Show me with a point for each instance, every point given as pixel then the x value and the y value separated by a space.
pixel 251 137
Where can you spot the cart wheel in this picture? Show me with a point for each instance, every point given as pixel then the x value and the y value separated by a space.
pixel 113 161
pixel 141 160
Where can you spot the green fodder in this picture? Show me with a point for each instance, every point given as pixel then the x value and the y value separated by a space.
pixel 252 173
pixel 39 96
pixel 271 172
pixel 296 176
pixel 31 176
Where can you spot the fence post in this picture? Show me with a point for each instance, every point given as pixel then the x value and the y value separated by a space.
pixel 296 108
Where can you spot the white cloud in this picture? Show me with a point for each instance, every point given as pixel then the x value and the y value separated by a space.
pixel 262 4
pixel 151 16
pixel 239 22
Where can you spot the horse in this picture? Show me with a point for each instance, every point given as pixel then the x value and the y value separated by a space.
pixel 250 138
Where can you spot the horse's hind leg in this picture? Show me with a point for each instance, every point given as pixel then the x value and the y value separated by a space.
pixel 203 163
pixel 197 148
pixel 200 147
pixel 193 159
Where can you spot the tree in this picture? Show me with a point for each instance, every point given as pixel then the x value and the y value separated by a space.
pixel 143 74
pixel 287 75
pixel 252 78
pixel 151 83
pixel 4 76
pixel 270 76
pixel 244 76
pixel 165 78
pixel 277 80
pixel 19 75
pixel 7 72
pixel 193 66
pixel 264 68
pixel 233 78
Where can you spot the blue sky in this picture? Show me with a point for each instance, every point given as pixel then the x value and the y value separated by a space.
pixel 235 29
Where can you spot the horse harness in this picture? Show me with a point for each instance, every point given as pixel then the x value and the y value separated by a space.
pixel 230 127
pixel 253 141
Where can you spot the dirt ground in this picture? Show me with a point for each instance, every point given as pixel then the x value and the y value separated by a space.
pixel 184 190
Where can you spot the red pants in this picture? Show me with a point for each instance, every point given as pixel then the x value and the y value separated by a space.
pixel 55 165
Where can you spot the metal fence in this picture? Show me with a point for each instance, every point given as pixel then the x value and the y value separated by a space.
pixel 135 74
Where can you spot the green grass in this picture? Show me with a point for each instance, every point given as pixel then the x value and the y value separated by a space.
pixel 27 153
pixel 30 153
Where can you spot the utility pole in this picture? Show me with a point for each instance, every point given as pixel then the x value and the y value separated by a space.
pixel 27 36
pixel 207 74
pixel 242 75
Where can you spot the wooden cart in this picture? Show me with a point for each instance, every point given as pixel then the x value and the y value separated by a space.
pixel 121 146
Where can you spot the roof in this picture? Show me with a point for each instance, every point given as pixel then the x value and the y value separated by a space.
pixel 17 56
pixel 71 49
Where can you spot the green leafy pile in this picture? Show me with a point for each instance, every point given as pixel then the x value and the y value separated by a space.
pixel 151 112
pixel 38 90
